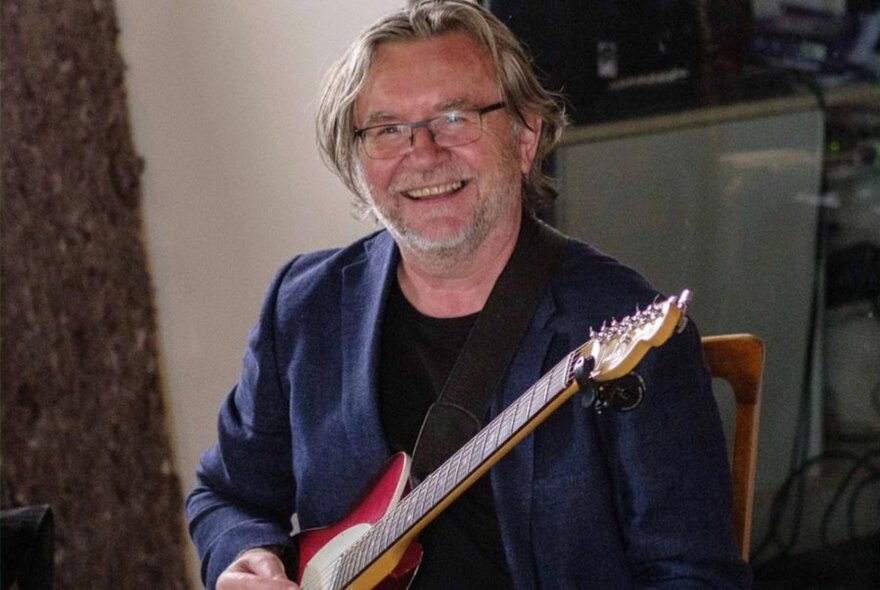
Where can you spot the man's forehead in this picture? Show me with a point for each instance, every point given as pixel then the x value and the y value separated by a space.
pixel 444 72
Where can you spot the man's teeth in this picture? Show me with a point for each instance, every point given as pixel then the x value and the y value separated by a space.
pixel 435 190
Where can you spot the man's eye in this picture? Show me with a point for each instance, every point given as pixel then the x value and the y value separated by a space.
pixel 389 130
pixel 456 117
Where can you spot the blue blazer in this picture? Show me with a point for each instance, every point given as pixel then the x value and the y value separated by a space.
pixel 610 500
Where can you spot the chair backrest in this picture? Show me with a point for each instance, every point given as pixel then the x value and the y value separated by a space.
pixel 739 360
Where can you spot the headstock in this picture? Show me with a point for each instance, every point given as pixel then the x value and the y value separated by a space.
pixel 618 347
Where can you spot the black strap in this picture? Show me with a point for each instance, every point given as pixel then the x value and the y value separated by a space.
pixel 482 364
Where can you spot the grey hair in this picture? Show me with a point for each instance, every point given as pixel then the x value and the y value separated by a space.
pixel 520 89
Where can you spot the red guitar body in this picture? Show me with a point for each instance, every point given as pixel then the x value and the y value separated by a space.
pixel 318 548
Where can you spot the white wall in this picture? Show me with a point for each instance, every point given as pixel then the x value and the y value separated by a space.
pixel 221 99
pixel 736 225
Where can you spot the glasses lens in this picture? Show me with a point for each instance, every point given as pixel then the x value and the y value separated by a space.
pixel 456 128
pixel 386 141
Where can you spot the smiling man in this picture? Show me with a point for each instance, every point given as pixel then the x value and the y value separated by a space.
pixel 434 119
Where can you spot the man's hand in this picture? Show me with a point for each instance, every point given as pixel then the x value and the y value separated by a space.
pixel 255 569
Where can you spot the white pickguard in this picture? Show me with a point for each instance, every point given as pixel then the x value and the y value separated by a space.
pixel 321 569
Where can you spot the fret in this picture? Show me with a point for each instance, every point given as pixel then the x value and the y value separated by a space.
pixel 384 532
pixel 389 525
pixel 345 571
pixel 466 452
pixel 355 560
pixel 491 438
pixel 448 479
pixel 551 391
pixel 365 554
pixel 522 410
pixel 506 426
pixel 436 481
pixel 437 484
pixel 459 468
pixel 419 501
pixel 399 524
pixel 552 378
pixel 452 473
pixel 429 486
pixel 349 559
pixel 409 515
pixel 352 572
pixel 372 546
pixel 534 406
pixel 565 370
pixel 541 389
pixel 356 566
pixel 395 527
pixel 552 382
pixel 561 372
pixel 421 498
pixel 477 453
pixel 448 475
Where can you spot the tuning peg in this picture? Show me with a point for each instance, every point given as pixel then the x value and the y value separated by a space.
pixel 684 299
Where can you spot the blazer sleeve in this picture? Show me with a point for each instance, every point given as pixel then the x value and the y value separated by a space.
pixel 245 489
pixel 671 476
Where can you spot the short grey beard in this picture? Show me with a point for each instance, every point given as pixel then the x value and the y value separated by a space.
pixel 454 248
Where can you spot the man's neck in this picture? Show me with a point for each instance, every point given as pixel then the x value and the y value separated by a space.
pixel 459 285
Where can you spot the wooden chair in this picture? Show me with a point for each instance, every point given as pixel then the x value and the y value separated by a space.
pixel 739 360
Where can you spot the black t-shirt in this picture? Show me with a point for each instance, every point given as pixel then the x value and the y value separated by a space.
pixel 462 546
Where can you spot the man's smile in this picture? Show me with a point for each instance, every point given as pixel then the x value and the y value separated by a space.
pixel 436 190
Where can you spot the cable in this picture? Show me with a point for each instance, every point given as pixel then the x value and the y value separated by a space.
pixel 851 507
pixel 795 482
pixel 841 489
pixel 780 503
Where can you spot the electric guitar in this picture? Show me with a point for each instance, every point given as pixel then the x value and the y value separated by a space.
pixel 374 545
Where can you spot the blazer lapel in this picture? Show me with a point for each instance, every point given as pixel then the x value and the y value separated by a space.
pixel 512 478
pixel 364 288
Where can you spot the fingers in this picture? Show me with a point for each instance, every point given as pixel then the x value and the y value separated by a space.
pixel 255 569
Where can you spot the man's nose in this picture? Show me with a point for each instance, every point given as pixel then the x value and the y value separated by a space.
pixel 422 140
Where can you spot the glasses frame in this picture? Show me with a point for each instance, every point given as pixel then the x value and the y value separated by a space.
pixel 359 133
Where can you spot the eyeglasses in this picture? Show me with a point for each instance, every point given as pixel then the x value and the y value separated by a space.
pixel 451 129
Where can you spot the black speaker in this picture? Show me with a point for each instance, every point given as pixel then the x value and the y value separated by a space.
pixel 626 55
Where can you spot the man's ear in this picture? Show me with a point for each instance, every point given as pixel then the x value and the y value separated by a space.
pixel 529 135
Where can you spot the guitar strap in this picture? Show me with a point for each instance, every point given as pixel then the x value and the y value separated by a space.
pixel 482 364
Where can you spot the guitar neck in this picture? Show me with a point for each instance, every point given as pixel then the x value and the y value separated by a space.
pixel 464 467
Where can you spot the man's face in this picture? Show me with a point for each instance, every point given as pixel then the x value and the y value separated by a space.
pixel 434 199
